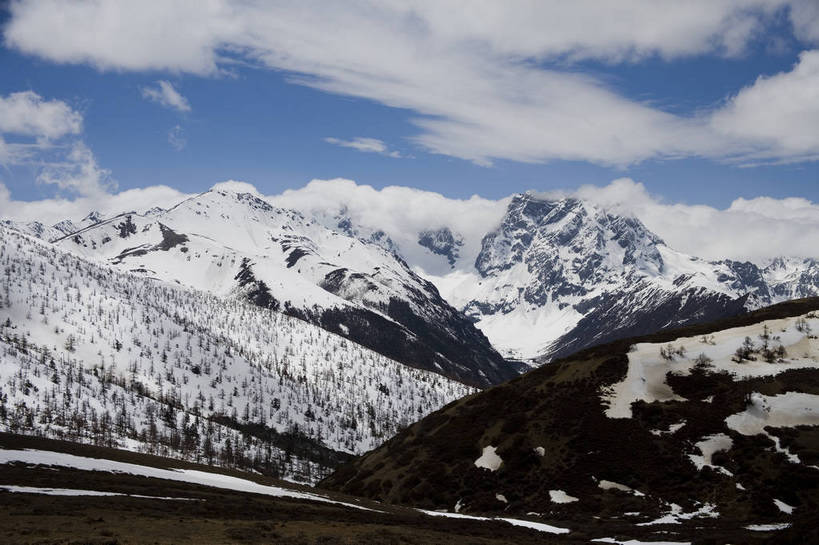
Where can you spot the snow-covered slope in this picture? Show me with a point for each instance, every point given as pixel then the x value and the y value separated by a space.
pixel 712 421
pixel 231 242
pixel 92 354
pixel 559 275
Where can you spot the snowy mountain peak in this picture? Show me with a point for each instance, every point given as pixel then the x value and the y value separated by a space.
pixel 232 242
pixel 93 217
pixel 568 243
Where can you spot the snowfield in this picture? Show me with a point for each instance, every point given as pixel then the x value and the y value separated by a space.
pixel 645 379
pixel 95 355
pixel 539 526
pixel 216 480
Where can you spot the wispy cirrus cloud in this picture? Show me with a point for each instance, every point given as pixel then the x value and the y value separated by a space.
pixel 166 95
pixel 366 145
pixel 177 138
pixel 481 80
pixel 47 136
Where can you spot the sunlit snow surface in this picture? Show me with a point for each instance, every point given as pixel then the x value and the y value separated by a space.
pixel 515 522
pixel 708 447
pixel 489 459
pixel 636 542
pixel 768 527
pixel 80 492
pixel 216 480
pixel 560 496
pixel 645 379
pixel 215 356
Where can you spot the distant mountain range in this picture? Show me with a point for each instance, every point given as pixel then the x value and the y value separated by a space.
pixel 236 244
pixel 552 277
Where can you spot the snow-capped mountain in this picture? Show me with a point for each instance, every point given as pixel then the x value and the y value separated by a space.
pixel 51 233
pixel 558 275
pixel 544 279
pixel 91 354
pixel 232 243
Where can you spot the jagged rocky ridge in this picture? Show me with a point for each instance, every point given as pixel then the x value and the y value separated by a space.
pixel 234 243
pixel 670 432
pixel 559 275
pixel 91 354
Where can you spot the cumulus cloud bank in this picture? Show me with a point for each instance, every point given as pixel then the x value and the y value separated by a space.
pixel 484 80
pixel 749 229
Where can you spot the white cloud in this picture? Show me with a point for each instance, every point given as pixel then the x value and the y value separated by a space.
pixel 165 94
pixel 27 113
pixel 367 145
pixel 401 212
pixel 78 173
pixel 176 138
pixel 485 79
pixel 47 134
pixel 749 229
pixel 50 211
pixel 237 186
pixel 778 115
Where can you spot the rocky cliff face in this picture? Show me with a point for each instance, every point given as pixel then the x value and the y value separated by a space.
pixel 559 275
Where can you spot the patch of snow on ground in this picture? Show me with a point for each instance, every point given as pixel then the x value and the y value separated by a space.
pixel 768 527
pixel 784 410
pixel 645 379
pixel 216 480
pixel 559 496
pixel 488 459
pixel 672 429
pixel 636 542
pixel 676 515
pixel 611 485
pixel 784 507
pixel 708 447
pixel 78 492
pixel 541 527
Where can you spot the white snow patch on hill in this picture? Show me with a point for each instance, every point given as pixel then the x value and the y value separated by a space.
pixel 768 527
pixel 784 507
pixel 677 514
pixel 559 496
pixel 80 492
pixel 708 447
pixel 645 379
pixel 611 485
pixel 488 459
pixel 539 526
pixel 216 480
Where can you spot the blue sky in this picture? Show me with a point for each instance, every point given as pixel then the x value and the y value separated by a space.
pixel 248 119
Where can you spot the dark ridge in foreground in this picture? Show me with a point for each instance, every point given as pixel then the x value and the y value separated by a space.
pixel 558 408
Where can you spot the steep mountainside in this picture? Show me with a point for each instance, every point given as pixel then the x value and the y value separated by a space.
pixel 94 355
pixel 233 243
pixel 560 275
pixel 712 425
